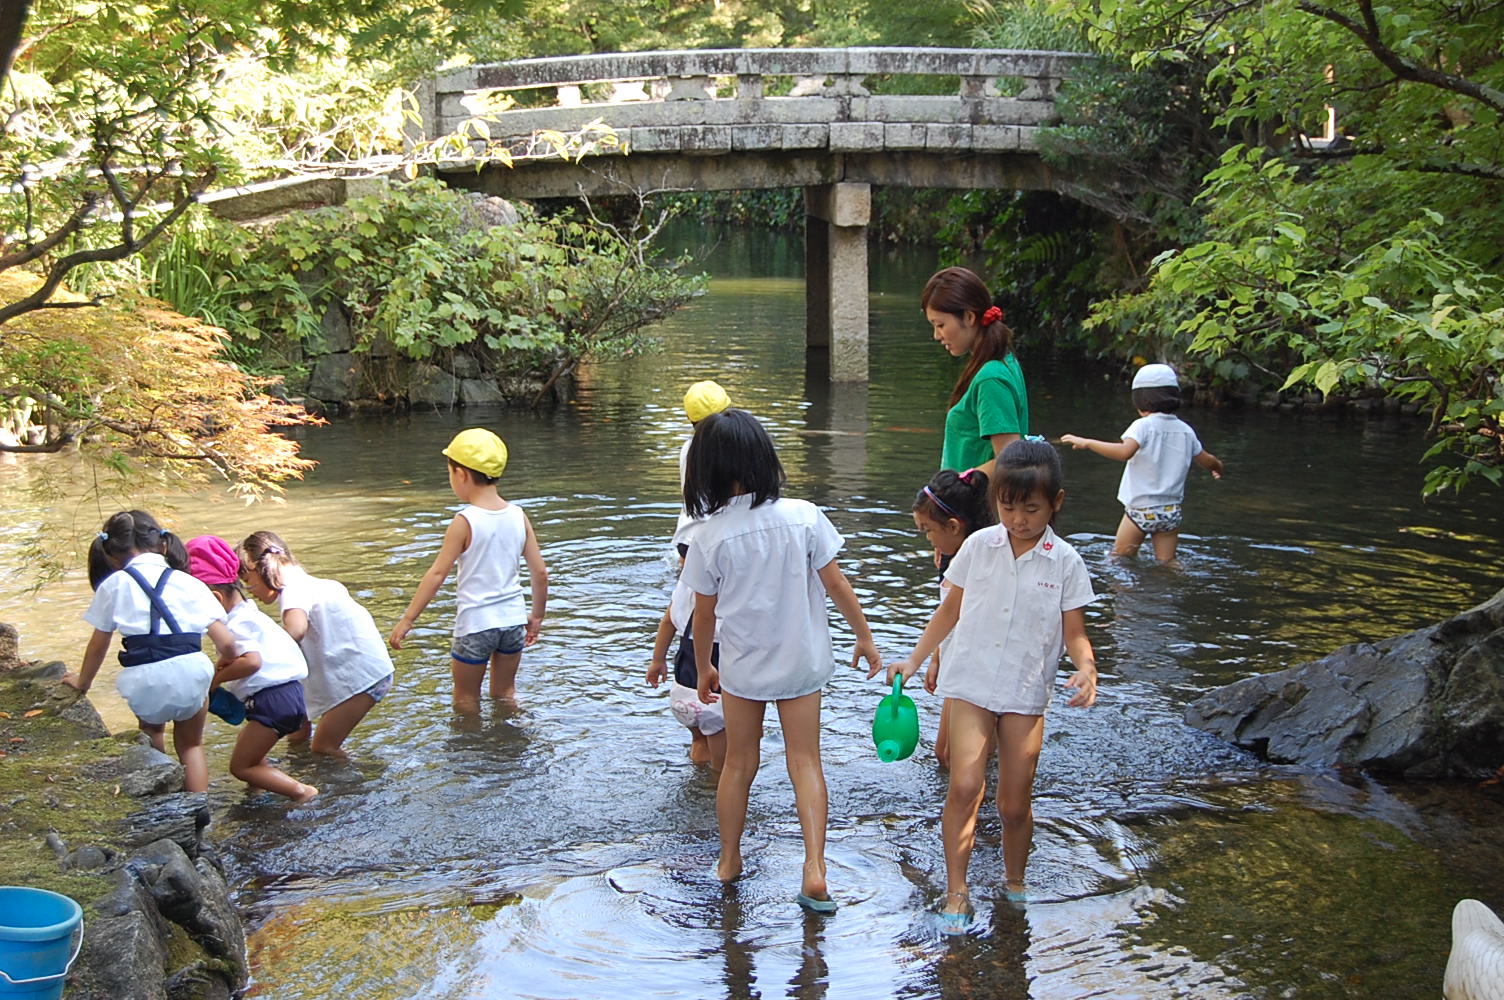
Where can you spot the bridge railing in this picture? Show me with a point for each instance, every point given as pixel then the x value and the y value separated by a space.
pixel 730 90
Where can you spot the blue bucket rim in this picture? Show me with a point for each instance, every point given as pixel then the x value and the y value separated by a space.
pixel 63 928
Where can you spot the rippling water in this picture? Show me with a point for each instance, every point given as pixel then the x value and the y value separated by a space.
pixel 564 850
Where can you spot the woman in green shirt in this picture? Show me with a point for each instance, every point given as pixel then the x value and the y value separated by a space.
pixel 989 407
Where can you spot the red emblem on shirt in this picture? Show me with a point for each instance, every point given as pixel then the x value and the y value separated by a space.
pixel 1047 546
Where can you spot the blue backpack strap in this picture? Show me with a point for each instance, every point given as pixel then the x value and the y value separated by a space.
pixel 159 610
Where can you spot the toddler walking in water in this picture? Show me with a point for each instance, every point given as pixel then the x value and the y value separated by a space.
pixel 349 670
pixel 705 722
pixel 487 538
pixel 265 672
pixel 1159 449
pixel 948 509
pixel 760 567
pixel 142 588
pixel 1017 597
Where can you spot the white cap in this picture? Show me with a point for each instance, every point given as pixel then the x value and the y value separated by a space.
pixel 1154 376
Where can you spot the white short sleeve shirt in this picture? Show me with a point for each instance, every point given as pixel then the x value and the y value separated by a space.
pixel 1155 475
pixel 255 632
pixel 346 654
pixel 1005 650
pixel 762 563
pixel 120 605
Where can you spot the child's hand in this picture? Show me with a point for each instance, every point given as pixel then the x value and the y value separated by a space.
pixel 710 683
pixel 399 632
pixel 531 629
pixel 74 681
pixel 1074 441
pixel 657 670
pixel 868 651
pixel 905 666
pixel 1085 683
pixel 932 675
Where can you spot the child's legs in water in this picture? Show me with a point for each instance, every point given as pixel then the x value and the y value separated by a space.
pixel 971 729
pixel 1165 543
pixel 1019 738
pixel 743 756
pixel 504 675
pixel 467 678
pixel 248 763
pixel 337 723
pixel 1130 537
pixel 716 742
pixel 188 741
pixel 800 719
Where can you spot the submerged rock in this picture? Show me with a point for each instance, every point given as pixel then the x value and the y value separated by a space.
pixel 1429 703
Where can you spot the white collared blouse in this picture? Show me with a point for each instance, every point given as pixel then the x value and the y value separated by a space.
pixel 762 563
pixel 1005 649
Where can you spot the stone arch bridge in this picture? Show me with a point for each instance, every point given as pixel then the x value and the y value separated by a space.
pixel 834 122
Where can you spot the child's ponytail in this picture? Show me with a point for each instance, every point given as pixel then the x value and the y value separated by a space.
pixel 123 536
pixel 956 495
pixel 266 553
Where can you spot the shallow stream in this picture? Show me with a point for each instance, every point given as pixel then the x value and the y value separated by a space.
pixel 564 849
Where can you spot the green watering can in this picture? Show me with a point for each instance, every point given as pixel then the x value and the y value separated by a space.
pixel 895 727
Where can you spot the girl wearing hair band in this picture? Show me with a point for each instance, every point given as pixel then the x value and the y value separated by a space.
pixel 989 407
pixel 142 589
pixel 1017 601
pixel 947 509
pixel 349 670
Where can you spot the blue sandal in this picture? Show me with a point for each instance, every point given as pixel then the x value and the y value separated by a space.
pixel 814 905
pixel 958 922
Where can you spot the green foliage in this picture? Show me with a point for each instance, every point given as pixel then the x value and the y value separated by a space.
pixel 1364 256
pixel 419 269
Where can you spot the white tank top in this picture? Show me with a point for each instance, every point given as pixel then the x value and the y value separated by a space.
pixel 489 594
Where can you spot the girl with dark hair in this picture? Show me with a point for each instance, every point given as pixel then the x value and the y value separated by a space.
pixel 948 509
pixel 760 567
pixel 142 589
pixel 1017 599
pixel 989 406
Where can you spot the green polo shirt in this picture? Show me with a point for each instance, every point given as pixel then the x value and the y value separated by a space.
pixel 996 402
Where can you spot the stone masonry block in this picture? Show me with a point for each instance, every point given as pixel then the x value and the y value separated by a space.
pixel 656 139
pixel 756 137
pixel 904 135
pixel 947 137
pixel 851 137
pixel 994 137
pixel 806 136
pixel 707 139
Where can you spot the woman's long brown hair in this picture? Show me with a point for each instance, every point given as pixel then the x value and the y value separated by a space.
pixel 957 291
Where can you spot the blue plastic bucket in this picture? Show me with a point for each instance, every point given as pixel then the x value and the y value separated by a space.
pixel 36 942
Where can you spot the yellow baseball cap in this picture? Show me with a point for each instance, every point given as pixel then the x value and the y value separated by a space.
pixel 477 448
pixel 704 398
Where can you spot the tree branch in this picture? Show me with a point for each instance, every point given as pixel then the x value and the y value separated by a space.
pixel 1368 33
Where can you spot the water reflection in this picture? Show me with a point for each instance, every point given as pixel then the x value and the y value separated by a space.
pixel 564 849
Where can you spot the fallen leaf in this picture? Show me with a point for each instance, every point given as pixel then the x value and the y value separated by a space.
pixel 17 739
pixel 4 715
pixel 34 713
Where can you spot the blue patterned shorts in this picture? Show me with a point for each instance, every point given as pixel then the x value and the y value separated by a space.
pixel 476 648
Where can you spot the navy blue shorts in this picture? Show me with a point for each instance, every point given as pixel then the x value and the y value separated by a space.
pixel 279 708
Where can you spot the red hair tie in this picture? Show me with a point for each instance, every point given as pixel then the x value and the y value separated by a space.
pixel 991 316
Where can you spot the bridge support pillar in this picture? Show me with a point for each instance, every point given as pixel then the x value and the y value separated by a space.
pixel 835 276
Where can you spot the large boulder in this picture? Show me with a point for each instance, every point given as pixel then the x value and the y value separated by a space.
pixel 1429 703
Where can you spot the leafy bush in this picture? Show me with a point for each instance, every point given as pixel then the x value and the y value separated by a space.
pixel 419 268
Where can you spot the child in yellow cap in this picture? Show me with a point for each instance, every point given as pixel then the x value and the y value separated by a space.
pixel 700 401
pixel 487 539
